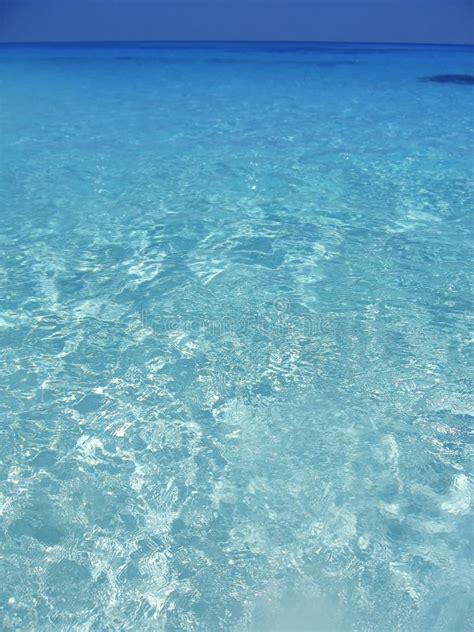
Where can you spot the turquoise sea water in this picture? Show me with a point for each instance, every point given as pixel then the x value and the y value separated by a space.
pixel 234 326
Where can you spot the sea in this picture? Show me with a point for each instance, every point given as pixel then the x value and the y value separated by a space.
pixel 236 337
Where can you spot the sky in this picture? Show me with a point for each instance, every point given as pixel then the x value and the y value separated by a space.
pixel 406 21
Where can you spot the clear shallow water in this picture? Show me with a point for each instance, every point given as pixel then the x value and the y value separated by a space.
pixel 235 388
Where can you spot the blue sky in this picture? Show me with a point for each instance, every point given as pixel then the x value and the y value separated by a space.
pixel 436 21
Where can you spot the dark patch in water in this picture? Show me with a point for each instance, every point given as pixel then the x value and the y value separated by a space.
pixel 331 64
pixel 342 49
pixel 285 62
pixel 223 60
pixel 461 80
pixel 167 61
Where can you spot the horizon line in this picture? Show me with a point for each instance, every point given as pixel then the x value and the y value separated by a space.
pixel 252 41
